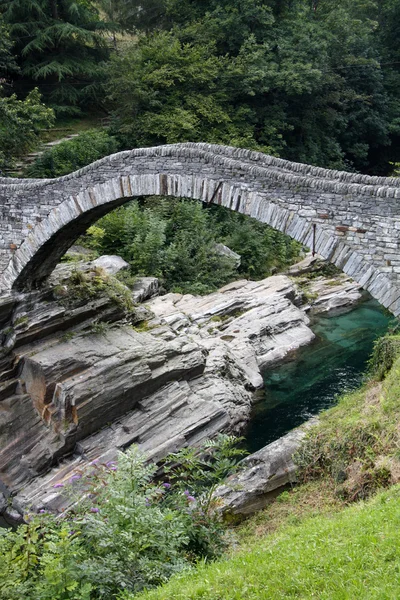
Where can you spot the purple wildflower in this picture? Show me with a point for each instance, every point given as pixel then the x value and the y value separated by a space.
pixel 187 493
pixel 114 468
pixel 42 511
pixel 166 485
pixel 94 509
pixel 191 498
pixel 147 502
pixel 58 485
pixel 94 462
pixel 110 463
pixel 75 478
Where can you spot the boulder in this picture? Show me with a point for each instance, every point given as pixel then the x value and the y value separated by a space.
pixel 332 295
pixel 261 476
pixel 309 264
pixel 225 251
pixel 110 264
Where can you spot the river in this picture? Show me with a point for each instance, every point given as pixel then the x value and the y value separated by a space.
pixel 314 378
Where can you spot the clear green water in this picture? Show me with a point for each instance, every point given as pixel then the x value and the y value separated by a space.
pixel 334 363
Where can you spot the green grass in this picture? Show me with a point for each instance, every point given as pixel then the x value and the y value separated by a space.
pixel 353 555
pixel 291 507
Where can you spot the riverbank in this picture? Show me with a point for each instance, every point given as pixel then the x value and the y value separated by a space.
pixel 356 444
pixel 309 542
pixel 353 554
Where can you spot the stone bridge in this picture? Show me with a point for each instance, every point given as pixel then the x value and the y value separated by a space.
pixel 351 220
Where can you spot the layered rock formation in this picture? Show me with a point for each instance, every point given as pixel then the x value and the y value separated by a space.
pixel 73 391
pixel 261 476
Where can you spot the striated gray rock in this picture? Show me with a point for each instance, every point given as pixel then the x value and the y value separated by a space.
pixel 161 423
pixel 338 294
pixel 257 320
pixel 309 264
pixel 74 390
pixel 145 288
pixel 262 475
pixel 324 293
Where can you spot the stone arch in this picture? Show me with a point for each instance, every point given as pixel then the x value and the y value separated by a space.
pixel 42 249
pixel 356 217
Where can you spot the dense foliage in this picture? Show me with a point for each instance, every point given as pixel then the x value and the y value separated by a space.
pixel 20 124
pixel 70 156
pixel 8 64
pixel 125 532
pixel 176 241
pixel 312 81
pixel 21 120
pixel 59 45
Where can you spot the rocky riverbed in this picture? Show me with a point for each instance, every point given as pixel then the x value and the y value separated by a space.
pixel 81 380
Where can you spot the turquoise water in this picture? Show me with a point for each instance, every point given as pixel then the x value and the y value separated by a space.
pixel 334 363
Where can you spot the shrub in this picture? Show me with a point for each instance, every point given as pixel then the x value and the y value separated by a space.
pixel 81 287
pixel 175 240
pixel 386 350
pixel 124 532
pixel 71 155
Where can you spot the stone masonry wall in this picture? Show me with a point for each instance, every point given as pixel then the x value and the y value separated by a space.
pixel 352 220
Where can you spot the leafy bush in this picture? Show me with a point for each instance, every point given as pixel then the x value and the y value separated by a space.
pixel 386 350
pixel 125 531
pixel 20 124
pixel 175 240
pixel 71 155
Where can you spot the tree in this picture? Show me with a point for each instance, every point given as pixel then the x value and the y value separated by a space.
pixel 8 65
pixel 304 80
pixel 59 44
pixel 20 120
pixel 167 91
pixel 20 124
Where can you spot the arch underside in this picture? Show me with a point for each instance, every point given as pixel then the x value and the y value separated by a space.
pixel 46 243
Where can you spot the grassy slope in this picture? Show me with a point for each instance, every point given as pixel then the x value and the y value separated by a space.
pixel 354 554
pixel 309 544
